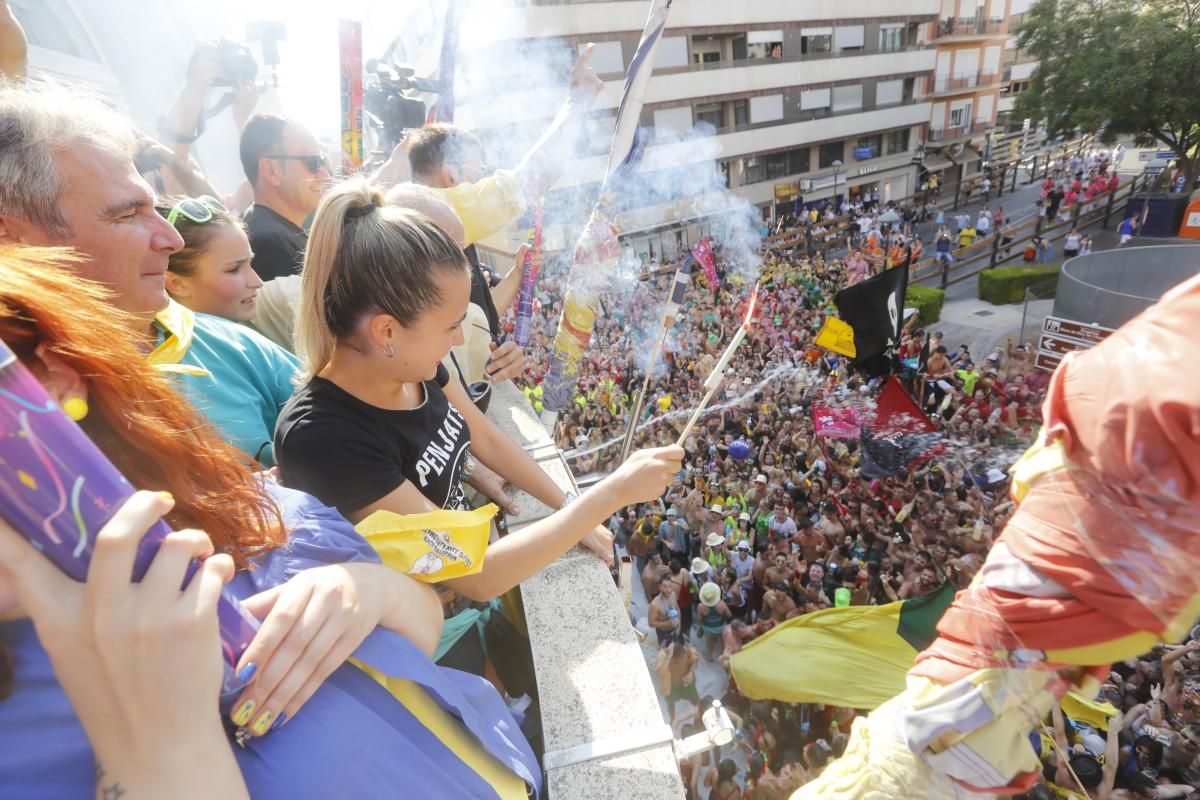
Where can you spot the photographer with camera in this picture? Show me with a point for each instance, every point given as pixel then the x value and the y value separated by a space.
pixel 169 167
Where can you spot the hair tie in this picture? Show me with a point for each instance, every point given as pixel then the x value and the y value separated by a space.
pixel 360 211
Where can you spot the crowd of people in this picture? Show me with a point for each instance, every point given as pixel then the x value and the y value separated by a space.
pixel 273 365
pixel 769 521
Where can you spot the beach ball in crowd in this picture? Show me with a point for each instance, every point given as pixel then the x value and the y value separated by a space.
pixel 739 450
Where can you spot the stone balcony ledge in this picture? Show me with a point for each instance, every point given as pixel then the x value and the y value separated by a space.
pixel 592 678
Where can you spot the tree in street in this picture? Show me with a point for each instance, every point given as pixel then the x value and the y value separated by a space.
pixel 1117 68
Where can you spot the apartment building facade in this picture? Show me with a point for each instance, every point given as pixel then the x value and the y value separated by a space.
pixel 964 91
pixel 1019 67
pixel 802 101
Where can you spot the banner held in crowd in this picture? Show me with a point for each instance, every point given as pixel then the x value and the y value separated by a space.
pixel 808 658
pixel 837 336
pixel 598 251
pixel 898 436
pixel 873 309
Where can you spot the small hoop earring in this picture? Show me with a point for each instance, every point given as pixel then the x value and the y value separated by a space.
pixel 76 408
pixel 388 351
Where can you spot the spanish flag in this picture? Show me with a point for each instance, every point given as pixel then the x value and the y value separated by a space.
pixel 852 657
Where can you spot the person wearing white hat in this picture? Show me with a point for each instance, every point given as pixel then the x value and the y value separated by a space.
pixel 701 571
pixel 743 564
pixel 712 615
pixel 715 551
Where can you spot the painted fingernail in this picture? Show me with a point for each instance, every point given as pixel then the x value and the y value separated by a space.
pixel 262 724
pixel 282 718
pixel 247 672
pixel 170 498
pixel 242 715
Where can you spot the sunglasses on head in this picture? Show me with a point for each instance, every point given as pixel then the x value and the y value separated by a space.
pixel 196 209
pixel 312 163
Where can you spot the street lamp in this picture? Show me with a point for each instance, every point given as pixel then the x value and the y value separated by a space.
pixel 837 166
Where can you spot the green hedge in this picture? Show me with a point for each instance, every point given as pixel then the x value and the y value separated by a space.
pixel 1007 284
pixel 928 303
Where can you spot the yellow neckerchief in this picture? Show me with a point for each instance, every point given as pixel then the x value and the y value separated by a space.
pixel 180 323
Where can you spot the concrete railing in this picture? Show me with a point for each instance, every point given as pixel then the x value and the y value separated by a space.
pixel 595 689
pixel 1111 287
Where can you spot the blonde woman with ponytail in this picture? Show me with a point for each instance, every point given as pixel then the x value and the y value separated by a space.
pixel 378 424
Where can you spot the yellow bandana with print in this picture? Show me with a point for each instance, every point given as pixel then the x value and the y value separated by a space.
pixel 180 323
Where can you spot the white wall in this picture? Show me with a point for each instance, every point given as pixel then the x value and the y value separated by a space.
pixel 672 52
pixel 965 61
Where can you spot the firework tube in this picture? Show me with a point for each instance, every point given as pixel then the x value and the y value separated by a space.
pixel 533 260
pixel 683 276
pixel 691 423
pixel 58 490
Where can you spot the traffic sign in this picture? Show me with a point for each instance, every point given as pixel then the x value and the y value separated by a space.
pixel 1059 346
pixel 1047 361
pixel 1082 332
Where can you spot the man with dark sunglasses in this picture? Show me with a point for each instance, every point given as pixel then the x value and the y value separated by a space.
pixel 284 165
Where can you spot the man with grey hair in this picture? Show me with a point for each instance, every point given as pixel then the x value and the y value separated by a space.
pixel 67 178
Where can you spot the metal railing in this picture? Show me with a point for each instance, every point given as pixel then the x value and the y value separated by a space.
pixel 793 58
pixel 965 80
pixel 968 26
pixel 953 132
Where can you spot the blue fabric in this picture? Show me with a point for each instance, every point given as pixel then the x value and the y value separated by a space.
pixel 352 739
pixel 250 379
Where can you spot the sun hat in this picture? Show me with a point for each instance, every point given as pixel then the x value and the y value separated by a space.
pixel 672 512
pixel 743 545
pixel 715 540
pixel 710 594
pixel 716 508
pixel 761 479
pixel 744 517
pixel 699 566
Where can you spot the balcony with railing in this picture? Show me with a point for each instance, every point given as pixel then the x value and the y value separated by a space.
pixel 787 58
pixel 953 132
pixel 969 26
pixel 964 81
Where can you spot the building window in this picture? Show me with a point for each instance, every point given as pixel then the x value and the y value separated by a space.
pixel 54 25
pixel 798 161
pixel 710 113
pixel 829 153
pixel 849 38
pixel 752 171
pixel 960 116
pixel 897 141
pixel 777 165
pixel 741 112
pixel 868 147
pixel 816 43
pixel 712 58
pixel 891 39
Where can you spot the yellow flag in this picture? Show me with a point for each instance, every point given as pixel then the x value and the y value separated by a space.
pixel 837 336
pixel 430 547
pixel 1096 713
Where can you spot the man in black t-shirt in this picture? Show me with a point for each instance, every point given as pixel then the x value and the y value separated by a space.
pixel 284 165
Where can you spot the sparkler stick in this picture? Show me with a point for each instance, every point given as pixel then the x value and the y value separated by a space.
pixel 714 379
pixel 683 277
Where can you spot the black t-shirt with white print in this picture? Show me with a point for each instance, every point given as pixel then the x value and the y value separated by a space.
pixel 349 454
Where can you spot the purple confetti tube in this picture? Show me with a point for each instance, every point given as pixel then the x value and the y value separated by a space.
pixel 58 490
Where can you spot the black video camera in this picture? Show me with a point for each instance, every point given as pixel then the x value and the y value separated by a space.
pixel 385 100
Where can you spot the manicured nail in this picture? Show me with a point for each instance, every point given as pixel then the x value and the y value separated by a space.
pixel 282 718
pixel 247 672
pixel 262 724
pixel 242 715
pixel 170 498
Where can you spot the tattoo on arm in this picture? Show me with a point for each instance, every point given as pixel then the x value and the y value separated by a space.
pixel 115 791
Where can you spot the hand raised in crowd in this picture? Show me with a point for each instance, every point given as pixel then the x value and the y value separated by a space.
pixel 585 84
pixel 140 662
pixel 205 65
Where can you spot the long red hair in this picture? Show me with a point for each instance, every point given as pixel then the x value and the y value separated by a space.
pixel 149 431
